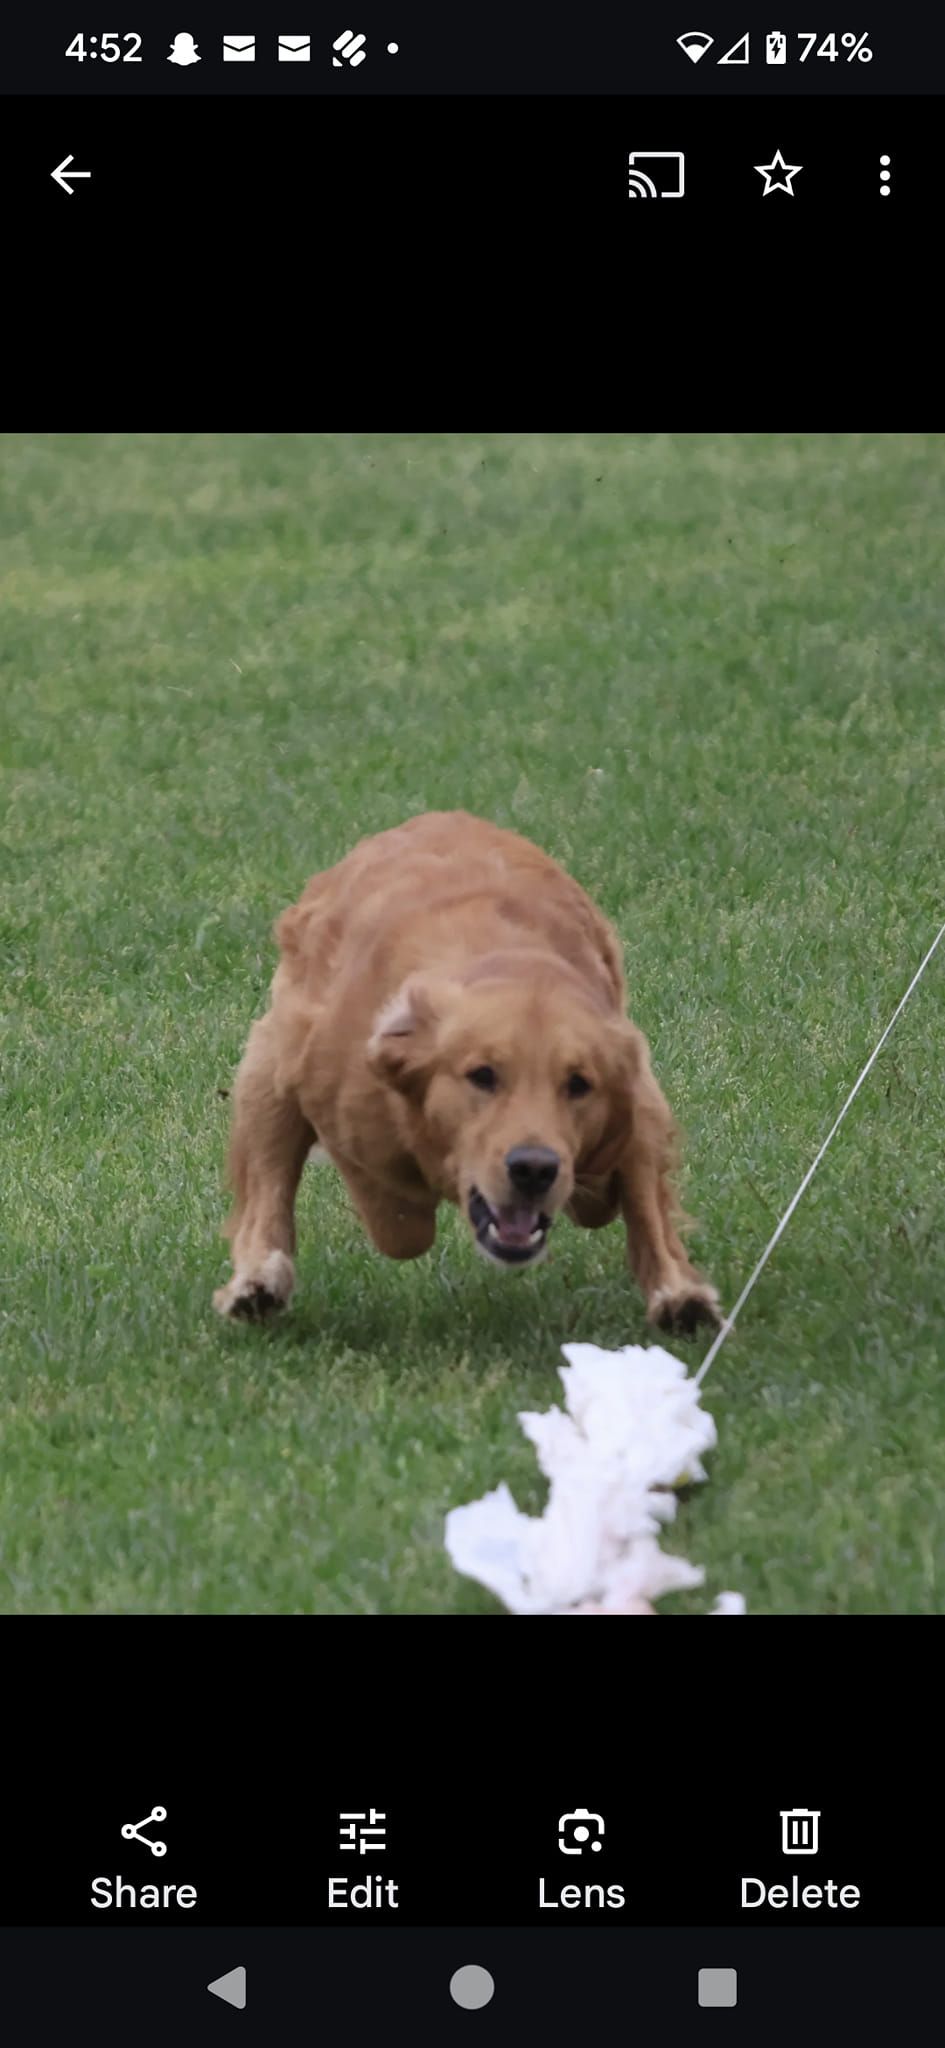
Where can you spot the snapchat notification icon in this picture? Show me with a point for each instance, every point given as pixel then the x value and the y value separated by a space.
pixel 183 51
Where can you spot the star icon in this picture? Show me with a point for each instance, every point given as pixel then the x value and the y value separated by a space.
pixel 781 182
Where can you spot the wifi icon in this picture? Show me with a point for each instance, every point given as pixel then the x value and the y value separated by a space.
pixel 695 43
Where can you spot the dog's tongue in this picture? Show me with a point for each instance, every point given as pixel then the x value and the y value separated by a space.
pixel 515 1226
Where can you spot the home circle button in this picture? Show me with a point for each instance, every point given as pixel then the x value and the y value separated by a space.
pixel 471 1987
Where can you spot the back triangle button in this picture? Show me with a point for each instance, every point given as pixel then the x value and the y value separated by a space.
pixel 232 1987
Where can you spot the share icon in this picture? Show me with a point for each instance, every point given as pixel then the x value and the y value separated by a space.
pixel 131 1832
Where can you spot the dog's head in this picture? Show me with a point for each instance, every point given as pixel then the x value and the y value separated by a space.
pixel 514 1084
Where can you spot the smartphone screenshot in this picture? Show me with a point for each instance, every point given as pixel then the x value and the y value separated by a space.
pixel 472 912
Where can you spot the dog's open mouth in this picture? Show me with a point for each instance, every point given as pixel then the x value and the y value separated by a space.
pixel 511 1235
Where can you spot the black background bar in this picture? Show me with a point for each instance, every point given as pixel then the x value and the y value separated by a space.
pixel 489 48
pixel 257 1833
pixel 308 1986
pixel 427 179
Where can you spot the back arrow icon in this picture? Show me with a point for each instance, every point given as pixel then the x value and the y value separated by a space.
pixel 64 166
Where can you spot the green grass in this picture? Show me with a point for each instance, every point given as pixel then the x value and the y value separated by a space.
pixel 706 674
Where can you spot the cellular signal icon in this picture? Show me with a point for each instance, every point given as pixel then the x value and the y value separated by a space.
pixel 695 43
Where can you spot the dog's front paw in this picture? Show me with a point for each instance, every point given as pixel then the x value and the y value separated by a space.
pixel 681 1309
pixel 254 1293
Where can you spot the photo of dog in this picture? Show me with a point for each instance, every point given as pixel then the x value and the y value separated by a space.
pixel 448 1023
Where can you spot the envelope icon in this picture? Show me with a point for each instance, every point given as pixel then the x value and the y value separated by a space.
pixel 239 49
pixel 295 49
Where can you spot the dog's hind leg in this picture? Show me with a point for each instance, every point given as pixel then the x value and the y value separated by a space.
pixel 269 1144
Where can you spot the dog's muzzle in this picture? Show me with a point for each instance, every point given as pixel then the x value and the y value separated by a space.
pixel 510 1235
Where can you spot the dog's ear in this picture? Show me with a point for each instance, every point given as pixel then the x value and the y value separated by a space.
pixel 628 1064
pixel 402 1047
pixel 637 1119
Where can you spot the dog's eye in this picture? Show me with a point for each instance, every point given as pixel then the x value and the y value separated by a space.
pixel 483 1077
pixel 578 1086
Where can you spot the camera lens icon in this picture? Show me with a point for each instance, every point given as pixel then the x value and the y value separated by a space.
pixel 579 1830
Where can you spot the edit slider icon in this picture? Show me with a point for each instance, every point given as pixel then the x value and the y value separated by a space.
pixel 363 1831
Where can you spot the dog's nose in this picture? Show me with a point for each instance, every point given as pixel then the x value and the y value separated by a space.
pixel 531 1168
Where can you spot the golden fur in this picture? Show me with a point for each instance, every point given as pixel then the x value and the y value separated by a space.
pixel 444 949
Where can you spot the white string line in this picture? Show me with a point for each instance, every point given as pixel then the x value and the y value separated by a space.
pixel 809 1175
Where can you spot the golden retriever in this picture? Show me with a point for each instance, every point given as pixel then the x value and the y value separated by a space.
pixel 447 1023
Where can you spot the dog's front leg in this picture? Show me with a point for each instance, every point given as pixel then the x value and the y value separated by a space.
pixel 678 1298
pixel 400 1228
pixel 270 1143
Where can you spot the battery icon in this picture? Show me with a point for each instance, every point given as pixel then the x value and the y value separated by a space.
pixel 776 48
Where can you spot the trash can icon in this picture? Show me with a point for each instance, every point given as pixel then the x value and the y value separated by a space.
pixel 799 1830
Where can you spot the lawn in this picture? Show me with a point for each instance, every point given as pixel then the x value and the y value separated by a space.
pixel 706 673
